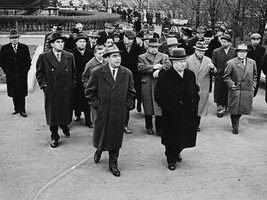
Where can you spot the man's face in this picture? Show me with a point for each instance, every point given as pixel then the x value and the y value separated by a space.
pixel 54 29
pixel 127 40
pixel 153 50
pixel 80 28
pixel 219 33
pixel 179 65
pixel 255 41
pixel 93 39
pixel 200 35
pixel 185 38
pixel 199 53
pixel 170 49
pixel 81 44
pixel 58 44
pixel 114 60
pixel 99 54
pixel 225 43
pixel 14 40
pixel 109 42
pixel 242 54
pixel 139 41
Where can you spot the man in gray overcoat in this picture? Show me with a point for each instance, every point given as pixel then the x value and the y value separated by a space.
pixel 110 91
pixel 150 65
pixel 56 75
pixel 220 57
pixel 240 76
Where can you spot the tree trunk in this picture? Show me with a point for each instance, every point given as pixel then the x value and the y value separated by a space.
pixel 198 14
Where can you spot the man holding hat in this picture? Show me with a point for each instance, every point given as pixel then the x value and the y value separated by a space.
pixel 150 65
pixel 81 56
pixel 176 92
pixel 15 60
pixel 56 75
pixel 220 57
pixel 110 91
pixel 203 68
pixel 93 36
pixel 256 53
pixel 240 76
pixel 129 59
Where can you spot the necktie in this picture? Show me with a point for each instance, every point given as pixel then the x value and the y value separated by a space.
pixel 113 73
pixel 15 48
pixel 58 57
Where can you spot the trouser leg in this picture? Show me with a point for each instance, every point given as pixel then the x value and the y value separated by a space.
pixel 148 121
pixel 16 104
pixel 171 153
pixel 235 121
pixel 113 158
pixel 198 120
pixel 127 119
pixel 77 113
pixel 54 132
pixel 87 118
pixel 158 123
pixel 64 128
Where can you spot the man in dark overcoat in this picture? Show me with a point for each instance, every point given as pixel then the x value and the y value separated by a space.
pixel 15 60
pixel 256 53
pixel 220 57
pixel 129 59
pixel 264 69
pixel 186 35
pixel 110 91
pixel 176 92
pixel 240 76
pixel 107 32
pixel 56 76
pixel 82 55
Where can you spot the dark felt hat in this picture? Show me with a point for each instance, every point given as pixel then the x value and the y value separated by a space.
pixel 187 32
pixel 178 54
pixel 111 49
pixel 82 36
pixel 153 42
pixel 13 33
pixel 55 36
pixel 226 37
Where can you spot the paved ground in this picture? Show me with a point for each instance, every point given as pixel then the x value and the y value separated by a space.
pixel 221 166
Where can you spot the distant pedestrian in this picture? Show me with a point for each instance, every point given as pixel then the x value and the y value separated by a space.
pixel 82 56
pixel 264 69
pixel 220 57
pixel 176 92
pixel 15 60
pixel 240 76
pixel 110 91
pixel 56 75
pixel 256 53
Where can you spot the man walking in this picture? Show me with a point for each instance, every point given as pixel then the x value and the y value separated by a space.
pixel 219 58
pixel 240 76
pixel 15 61
pixel 110 91
pixel 56 75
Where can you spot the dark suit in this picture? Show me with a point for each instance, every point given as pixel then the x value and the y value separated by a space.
pixel 16 66
pixel 57 80
pixel 130 61
pixel 256 54
pixel 80 102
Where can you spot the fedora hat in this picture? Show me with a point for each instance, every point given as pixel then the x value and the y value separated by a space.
pixel 108 25
pixel 226 37
pixel 255 36
pixel 200 45
pixel 13 33
pixel 166 31
pixel 208 33
pixel 94 33
pixel 153 42
pixel 172 42
pixel 178 54
pixel 55 36
pixel 129 34
pixel 187 32
pixel 82 36
pixel 111 49
pixel 242 47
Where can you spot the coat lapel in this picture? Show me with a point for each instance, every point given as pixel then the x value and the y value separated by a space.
pixel 107 74
pixel 248 65
pixel 63 64
pixel 120 76
pixel 52 59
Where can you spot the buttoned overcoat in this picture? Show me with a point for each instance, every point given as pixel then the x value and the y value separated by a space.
pixel 219 59
pixel 111 100
pixel 178 97
pixel 202 72
pixel 148 82
pixel 58 80
pixel 244 78
pixel 16 67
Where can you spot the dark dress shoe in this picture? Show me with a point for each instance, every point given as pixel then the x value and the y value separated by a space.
pixel 23 114
pixel 158 133
pixel 15 112
pixel 127 130
pixel 150 131
pixel 179 158
pixel 97 156
pixel 67 132
pixel 115 171
pixel 219 115
pixel 171 166
pixel 90 125
pixel 77 119
pixel 235 131
pixel 54 143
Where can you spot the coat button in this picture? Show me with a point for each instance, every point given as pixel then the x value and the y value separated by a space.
pixel 181 102
pixel 52 69
pixel 66 70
